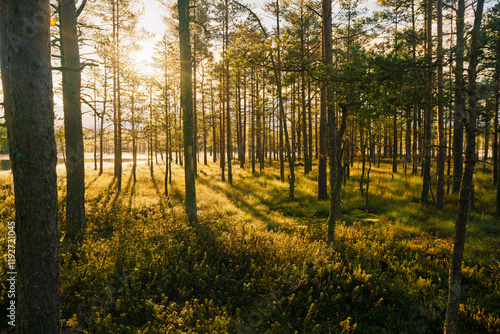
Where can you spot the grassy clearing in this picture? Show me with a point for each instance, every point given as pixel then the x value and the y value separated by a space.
pixel 258 264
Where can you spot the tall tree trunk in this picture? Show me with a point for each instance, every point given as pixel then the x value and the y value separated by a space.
pixel 258 126
pixel 451 322
pixel 228 113
pixel 426 168
pixel 450 113
pixel 323 134
pixel 116 96
pixel 495 122
pixel 316 130
pixel 27 86
pixel 118 102
pixel 486 141
pixel 254 97
pixel 277 74
pixel 244 136
pixel 414 170
pixel 238 117
pixel 408 139
pixel 187 110
pixel 363 156
pixel 75 168
pixel 214 129
pixel 204 121
pixel 222 128
pixel 326 11
pixel 167 125
pixel 115 118
pixel 441 133
pixel 194 65
pixel 168 148
pixel 303 96
pixel 395 141
pixel 134 136
pixel 310 154
pixel 95 123
pixel 151 126
pixel 458 136
pixel 103 113
pixel 496 151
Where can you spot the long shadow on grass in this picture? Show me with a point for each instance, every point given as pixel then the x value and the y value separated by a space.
pixel 105 196
pixel 88 185
pixel 130 189
pixel 238 201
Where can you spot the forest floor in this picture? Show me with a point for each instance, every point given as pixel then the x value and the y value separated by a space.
pixel 257 262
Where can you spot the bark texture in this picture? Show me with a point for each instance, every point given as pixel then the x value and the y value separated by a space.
pixel 71 83
pixel 27 84
pixel 187 110
pixel 458 132
pixel 466 191
pixel 326 11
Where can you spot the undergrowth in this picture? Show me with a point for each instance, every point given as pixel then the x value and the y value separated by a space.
pixel 257 261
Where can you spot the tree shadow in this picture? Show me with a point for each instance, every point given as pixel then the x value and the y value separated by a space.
pixel 88 185
pixel 237 199
pixel 130 189
pixel 162 199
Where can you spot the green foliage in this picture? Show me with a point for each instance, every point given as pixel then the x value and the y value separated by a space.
pixel 258 263
pixel 4 145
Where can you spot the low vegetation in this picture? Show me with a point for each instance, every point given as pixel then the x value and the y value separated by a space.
pixel 257 262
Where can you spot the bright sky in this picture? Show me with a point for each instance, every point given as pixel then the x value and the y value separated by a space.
pixel 153 22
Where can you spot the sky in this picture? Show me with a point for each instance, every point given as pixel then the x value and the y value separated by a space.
pixel 153 22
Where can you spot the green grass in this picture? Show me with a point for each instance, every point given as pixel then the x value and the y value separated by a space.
pixel 257 263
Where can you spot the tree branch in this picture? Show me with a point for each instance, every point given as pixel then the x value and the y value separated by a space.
pixel 80 9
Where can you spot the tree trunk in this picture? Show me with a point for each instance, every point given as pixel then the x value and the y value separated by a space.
pixel 239 119
pixel 118 102
pixel 151 149
pixel 316 130
pixel 310 152
pixel 75 168
pixel 332 121
pixel 441 133
pixel 323 137
pixel 27 86
pixel 414 170
pixel 228 113
pixel 214 128
pixel 205 156
pixel 277 74
pixel 187 110
pixel 194 66
pixel 167 126
pixel 303 98
pixel 451 322
pixel 95 123
pixel 244 136
pixel 168 157
pixel 253 119
pixel 134 136
pixel 426 168
pixel 495 123
pixel 496 151
pixel 103 113
pixel 258 127
pixel 458 136
pixel 221 131
pixel 363 157
pixel 395 141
